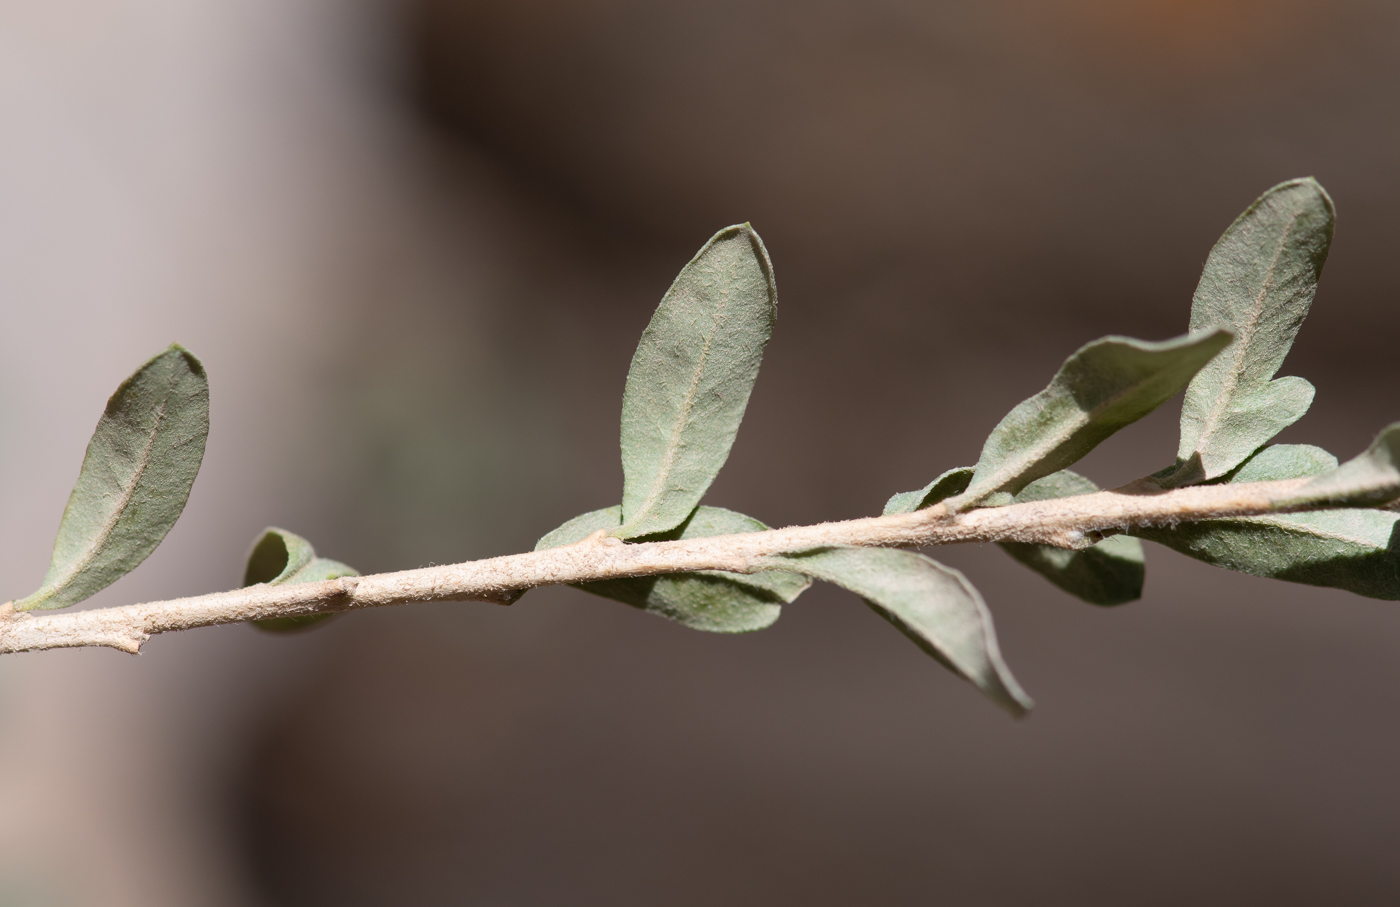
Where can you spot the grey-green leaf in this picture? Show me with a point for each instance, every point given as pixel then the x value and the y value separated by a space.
pixel 1370 479
pixel 933 605
pixel 952 482
pixel 709 600
pixel 282 558
pixel 1110 572
pixel 1278 462
pixel 1352 549
pixel 690 380
pixel 135 479
pixel 1259 283
pixel 1107 384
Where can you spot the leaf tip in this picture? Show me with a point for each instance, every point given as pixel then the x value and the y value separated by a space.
pixel 1221 336
pixel 1019 705
pixel 1311 183
pixel 190 358
pixel 1002 688
pixel 1308 194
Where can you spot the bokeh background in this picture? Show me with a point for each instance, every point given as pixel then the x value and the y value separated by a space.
pixel 415 243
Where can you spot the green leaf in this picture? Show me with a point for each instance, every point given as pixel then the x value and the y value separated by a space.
pixel 282 558
pixel 1368 480
pixel 952 482
pixel 135 479
pixel 1110 572
pixel 1259 283
pixel 933 605
pixel 709 600
pixel 1278 462
pixel 1356 550
pixel 690 380
pixel 1107 384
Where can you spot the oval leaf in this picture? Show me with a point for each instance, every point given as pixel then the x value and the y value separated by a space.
pixel 1356 550
pixel 1110 572
pixel 1106 385
pixel 1259 282
pixel 709 600
pixel 136 476
pixel 932 604
pixel 282 558
pixel 690 380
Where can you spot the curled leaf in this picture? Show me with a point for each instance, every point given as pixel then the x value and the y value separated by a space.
pixel 690 380
pixel 1110 572
pixel 282 558
pixel 1259 283
pixel 952 482
pixel 933 605
pixel 1107 384
pixel 134 482
pixel 710 600
pixel 1356 550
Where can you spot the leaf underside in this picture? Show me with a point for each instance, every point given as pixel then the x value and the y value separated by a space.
pixel 282 558
pixel 690 380
pixel 933 605
pixel 1367 480
pixel 1105 385
pixel 1259 283
pixel 1352 549
pixel 1110 572
pixel 134 482
pixel 709 600
pixel 950 483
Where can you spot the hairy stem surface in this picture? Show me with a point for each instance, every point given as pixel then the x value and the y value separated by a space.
pixel 1063 522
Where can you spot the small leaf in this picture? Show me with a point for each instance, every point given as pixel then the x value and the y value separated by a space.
pixel 282 558
pixel 1106 385
pixel 1356 550
pixel 952 482
pixel 1368 480
pixel 709 600
pixel 135 479
pixel 932 604
pixel 690 380
pixel 276 555
pixel 1259 283
pixel 1110 572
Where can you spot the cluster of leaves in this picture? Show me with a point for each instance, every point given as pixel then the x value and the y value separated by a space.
pixel 696 363
pixel 686 393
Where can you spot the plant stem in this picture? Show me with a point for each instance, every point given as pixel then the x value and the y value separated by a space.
pixel 1063 522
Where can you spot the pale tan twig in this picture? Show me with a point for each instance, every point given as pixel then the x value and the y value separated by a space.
pixel 1064 522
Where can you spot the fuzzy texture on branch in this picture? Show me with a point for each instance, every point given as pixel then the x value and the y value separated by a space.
pixel 1073 522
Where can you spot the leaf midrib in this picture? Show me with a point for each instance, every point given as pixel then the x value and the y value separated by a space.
pixel 1244 341
pixel 1088 417
pixel 671 454
pixel 109 525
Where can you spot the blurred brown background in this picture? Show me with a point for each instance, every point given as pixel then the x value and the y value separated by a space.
pixel 415 243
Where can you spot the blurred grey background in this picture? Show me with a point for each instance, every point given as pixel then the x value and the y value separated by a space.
pixel 415 243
